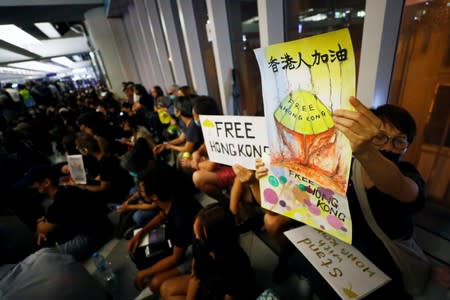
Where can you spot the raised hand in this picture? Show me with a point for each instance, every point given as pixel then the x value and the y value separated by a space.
pixel 358 126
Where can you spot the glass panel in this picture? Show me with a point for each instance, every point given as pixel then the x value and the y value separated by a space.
pixel 244 36
pixel 421 84
pixel 310 17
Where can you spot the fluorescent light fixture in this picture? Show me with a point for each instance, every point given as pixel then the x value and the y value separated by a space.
pixel 16 36
pixel 7 70
pixel 48 30
pixel 314 18
pixel 38 66
pixel 62 60
pixel 77 57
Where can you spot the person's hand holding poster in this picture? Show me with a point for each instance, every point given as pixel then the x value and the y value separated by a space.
pixel 303 82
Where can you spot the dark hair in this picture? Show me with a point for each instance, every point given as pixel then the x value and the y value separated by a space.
pixel 159 91
pixel 89 142
pixel 399 117
pixel 159 181
pixel 184 105
pixel 218 229
pixel 93 120
pixel 204 105
pixel 187 91
pixel 140 89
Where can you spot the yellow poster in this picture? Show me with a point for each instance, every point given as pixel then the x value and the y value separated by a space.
pixel 303 82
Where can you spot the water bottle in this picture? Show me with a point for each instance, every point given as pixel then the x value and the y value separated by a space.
pixel 104 268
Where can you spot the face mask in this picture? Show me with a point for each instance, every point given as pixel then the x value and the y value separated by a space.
pixel 197 122
pixel 172 97
pixel 394 157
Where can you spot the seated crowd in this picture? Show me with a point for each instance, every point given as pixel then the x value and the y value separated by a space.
pixel 145 159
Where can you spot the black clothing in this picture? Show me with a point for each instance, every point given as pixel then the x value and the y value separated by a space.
pixel 193 133
pixel 233 277
pixel 180 220
pixel 76 212
pixel 120 181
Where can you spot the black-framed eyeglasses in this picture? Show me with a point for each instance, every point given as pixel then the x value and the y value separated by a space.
pixel 399 142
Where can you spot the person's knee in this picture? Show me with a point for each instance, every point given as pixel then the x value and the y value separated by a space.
pixel 272 225
pixel 196 179
pixel 165 289
pixel 155 284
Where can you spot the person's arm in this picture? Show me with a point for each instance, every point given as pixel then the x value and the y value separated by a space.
pixel 360 127
pixel 44 227
pixel 139 206
pixel 177 141
pixel 187 147
pixel 104 185
pixel 192 291
pixel 153 223
pixel 163 265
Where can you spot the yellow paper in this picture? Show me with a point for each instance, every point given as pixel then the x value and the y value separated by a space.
pixel 303 82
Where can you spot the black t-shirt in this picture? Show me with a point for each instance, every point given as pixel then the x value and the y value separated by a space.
pixel 233 277
pixel 193 133
pixel 180 220
pixel 76 211
pixel 393 217
pixel 120 181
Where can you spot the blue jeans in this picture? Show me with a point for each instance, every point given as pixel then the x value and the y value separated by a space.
pixel 142 217
pixel 81 246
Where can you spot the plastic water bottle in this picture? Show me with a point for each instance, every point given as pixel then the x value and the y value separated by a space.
pixel 104 268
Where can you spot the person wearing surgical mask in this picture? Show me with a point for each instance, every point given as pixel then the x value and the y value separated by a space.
pixel 395 191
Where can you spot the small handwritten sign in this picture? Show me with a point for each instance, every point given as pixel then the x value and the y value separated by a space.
pixel 235 139
pixel 76 168
pixel 348 272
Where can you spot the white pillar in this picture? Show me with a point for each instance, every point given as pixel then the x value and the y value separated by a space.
pixel 271 28
pixel 194 54
pixel 220 36
pixel 102 40
pixel 173 43
pixel 122 43
pixel 379 42
pixel 162 57
pixel 146 45
pixel 132 41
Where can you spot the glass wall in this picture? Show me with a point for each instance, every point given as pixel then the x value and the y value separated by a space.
pixel 421 84
pixel 244 36
pixel 310 17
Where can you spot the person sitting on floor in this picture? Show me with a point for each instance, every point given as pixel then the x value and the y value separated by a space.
pixel 221 268
pixel 177 211
pixel 74 223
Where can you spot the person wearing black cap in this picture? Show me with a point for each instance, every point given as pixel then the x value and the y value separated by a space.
pixel 74 222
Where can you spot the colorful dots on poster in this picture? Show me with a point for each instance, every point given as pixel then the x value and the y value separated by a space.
pixel 273 181
pixel 270 196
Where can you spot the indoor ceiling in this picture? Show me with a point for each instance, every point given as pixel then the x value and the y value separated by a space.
pixel 42 36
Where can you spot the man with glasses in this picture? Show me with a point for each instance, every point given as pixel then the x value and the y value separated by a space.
pixel 395 191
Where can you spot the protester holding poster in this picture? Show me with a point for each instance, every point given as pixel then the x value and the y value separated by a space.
pixel 395 189
pixel 315 125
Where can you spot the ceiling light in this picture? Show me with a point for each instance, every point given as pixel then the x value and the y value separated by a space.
pixel 77 57
pixel 48 30
pixel 38 66
pixel 7 70
pixel 16 36
pixel 313 18
pixel 62 60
